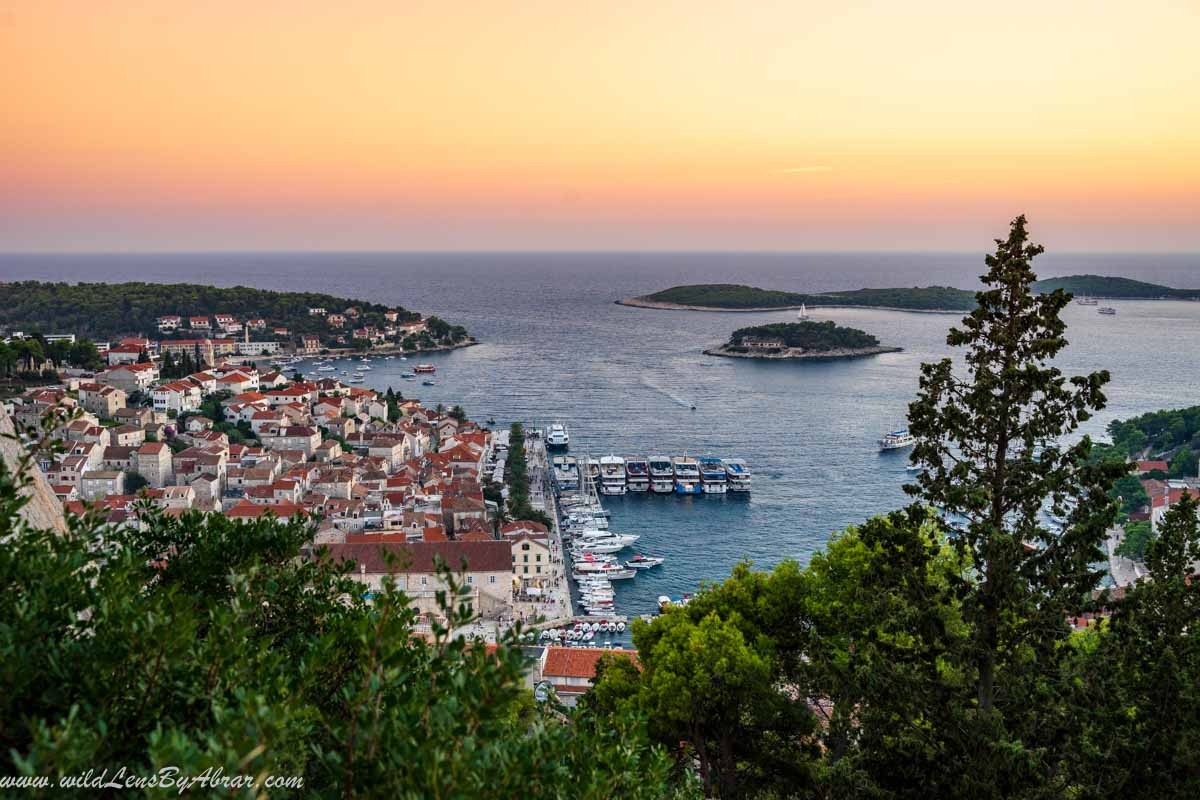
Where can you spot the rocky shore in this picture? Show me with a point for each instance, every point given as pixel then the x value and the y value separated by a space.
pixel 800 354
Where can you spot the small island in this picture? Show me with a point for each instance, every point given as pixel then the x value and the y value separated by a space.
pixel 737 297
pixel 800 341
pixel 1113 287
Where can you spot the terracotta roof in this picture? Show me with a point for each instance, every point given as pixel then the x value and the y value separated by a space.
pixel 523 525
pixel 1146 466
pixel 490 556
pixel 577 662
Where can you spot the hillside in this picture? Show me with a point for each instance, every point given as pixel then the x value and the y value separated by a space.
pixel 104 311
pixel 1114 287
pixel 800 340
pixel 737 297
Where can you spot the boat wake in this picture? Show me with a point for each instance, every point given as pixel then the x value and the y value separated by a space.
pixel 646 379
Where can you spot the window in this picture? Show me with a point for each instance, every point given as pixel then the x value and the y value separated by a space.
pixel 525 558
pixel 470 579
pixel 539 556
pixel 514 558
pixel 526 570
pixel 539 570
pixel 424 581
pixel 491 578
pixel 525 546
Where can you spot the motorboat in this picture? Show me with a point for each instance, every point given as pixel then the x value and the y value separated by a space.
pixel 424 368
pixel 614 573
pixel 644 562
pixel 558 438
pixel 612 475
pixel 897 440
pixel 427 383
pixel 662 475
pixel 737 475
pixel 327 369
pixel 637 475
pixel 1107 311
pixel 687 475
pixel 712 476
pixel 1086 301
pixel 409 375
pixel 566 473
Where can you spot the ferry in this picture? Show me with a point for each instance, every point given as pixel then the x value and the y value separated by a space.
pixel 566 473
pixel 712 476
pixel 558 437
pixel 637 474
pixel 424 368
pixel 897 440
pixel 1108 311
pixel 662 475
pixel 687 475
pixel 737 475
pixel 612 475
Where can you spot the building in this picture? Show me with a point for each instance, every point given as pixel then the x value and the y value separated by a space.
pixel 257 348
pixel 170 322
pixel 199 323
pixel 124 354
pixel 130 378
pixel 99 484
pixel 153 462
pixel 294 437
pixel 530 559
pixel 310 345
pixel 179 397
pixel 103 401
pixel 572 670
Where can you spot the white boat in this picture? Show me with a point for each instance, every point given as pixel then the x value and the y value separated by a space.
pixel 612 475
pixel 616 574
pixel 326 369
pixel 566 473
pixel 802 314
pixel 558 436
pixel 1087 301
pixel 712 476
pixel 644 562
pixel 737 475
pixel 356 379
pixel 662 475
pixel 1107 311
pixel 687 475
pixel 897 440
pixel 637 475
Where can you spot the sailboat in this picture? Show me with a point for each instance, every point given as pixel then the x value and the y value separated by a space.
pixel 803 313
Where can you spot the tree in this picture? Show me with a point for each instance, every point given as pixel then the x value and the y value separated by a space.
pixel 134 482
pixel 989 445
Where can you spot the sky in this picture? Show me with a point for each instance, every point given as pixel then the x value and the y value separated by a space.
pixel 597 125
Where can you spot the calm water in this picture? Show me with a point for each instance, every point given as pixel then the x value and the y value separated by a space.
pixel 556 347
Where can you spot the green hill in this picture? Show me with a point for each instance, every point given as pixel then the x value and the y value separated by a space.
pixel 1114 287
pixel 819 337
pixel 738 297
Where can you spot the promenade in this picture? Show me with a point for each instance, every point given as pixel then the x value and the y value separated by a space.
pixel 554 605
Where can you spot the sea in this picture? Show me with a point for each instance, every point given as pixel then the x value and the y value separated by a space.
pixel 554 347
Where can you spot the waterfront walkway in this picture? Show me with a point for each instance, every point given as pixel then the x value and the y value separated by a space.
pixel 554 606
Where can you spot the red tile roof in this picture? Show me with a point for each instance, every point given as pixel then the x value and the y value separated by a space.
pixel 575 662
pixel 490 556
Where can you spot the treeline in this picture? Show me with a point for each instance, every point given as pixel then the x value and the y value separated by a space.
pixel 814 336
pixel 106 310
pixel 1173 436
pixel 30 354
pixel 730 295
pixel 1116 287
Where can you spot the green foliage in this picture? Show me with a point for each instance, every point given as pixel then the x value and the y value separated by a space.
pixel 1137 537
pixel 1132 495
pixel 812 336
pixel 201 643
pixel 1111 286
pixel 730 295
pixel 27 354
pixel 134 482
pixel 1157 434
pixel 517 478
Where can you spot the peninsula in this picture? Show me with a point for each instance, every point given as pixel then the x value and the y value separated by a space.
pixel 737 297
pixel 1116 288
pixel 800 341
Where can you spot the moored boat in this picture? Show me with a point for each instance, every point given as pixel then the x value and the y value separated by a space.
pixel 612 475
pixel 712 476
pixel 687 475
pixel 737 475
pixel 637 474
pixel 662 475
pixel 424 368
pixel 644 562
pixel 558 437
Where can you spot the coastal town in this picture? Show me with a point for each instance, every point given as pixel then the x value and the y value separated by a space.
pixel 397 490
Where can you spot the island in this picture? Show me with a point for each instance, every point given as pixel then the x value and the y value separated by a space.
pixel 234 318
pixel 737 297
pixel 1112 287
pixel 800 341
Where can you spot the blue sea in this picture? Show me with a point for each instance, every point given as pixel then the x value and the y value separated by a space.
pixel 555 347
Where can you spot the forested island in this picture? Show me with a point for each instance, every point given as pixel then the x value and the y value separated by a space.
pixel 800 340
pixel 737 297
pixel 1117 288
pixel 103 311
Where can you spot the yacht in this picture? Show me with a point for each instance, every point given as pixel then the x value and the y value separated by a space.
pixel 1087 301
pixel 326 368
pixel 356 379
pixel 644 562
pixel 424 368
pixel 613 573
pixel 566 473
pixel 558 436
pixel 737 475
pixel 612 475
pixel 712 476
pixel 637 474
pixel 364 366
pixel 662 475
pixel 897 440
pixel 1107 311
pixel 687 475
pixel 427 383
pixel 802 314
pixel 591 471
pixel 409 375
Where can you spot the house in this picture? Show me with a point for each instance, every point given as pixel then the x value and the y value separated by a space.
pixel 174 497
pixel 572 670
pixel 103 401
pixel 257 324
pixel 134 416
pixel 294 437
pixel 1170 494
pixel 100 484
pixel 335 320
pixel 484 567
pixel 1144 467
pixel 170 322
pixel 391 315
pixel 279 331
pixel 119 458
pixel 198 423
pixel 199 323
pixel 130 378
pixel 310 345
pixel 128 436
pixel 205 380
pixel 757 343
pixel 153 462
pixel 530 559
pixel 178 396
pixel 124 354
pixel 313 312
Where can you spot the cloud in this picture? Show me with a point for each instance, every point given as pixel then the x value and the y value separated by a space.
pixel 800 170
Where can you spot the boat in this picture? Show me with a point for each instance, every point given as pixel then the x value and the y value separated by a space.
pixel 613 574
pixel 357 379
pixel 712 476
pixel 591 470
pixel 408 375
pixel 637 475
pixel 326 369
pixel 612 475
pixel 427 383
pixel 662 475
pixel 566 473
pixel 897 440
pixel 644 562
pixel 737 475
pixel 1108 311
pixel 558 437
pixel 1087 301
pixel 365 366
pixel 802 314
pixel 687 475
pixel 424 368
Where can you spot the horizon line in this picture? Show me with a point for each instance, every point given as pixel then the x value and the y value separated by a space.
pixel 543 252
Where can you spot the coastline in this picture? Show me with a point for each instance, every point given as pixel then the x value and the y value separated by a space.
pixel 342 352
pixel 641 302
pixel 791 355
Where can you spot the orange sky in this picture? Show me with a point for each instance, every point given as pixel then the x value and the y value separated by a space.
pixel 572 124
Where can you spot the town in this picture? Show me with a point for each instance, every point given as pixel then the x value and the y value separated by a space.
pixel 394 487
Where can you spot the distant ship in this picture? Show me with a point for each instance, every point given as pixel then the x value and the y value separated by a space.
pixel 1107 311
pixel 1087 301
pixel 897 440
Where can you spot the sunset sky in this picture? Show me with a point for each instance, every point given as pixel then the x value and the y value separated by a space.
pixel 578 125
